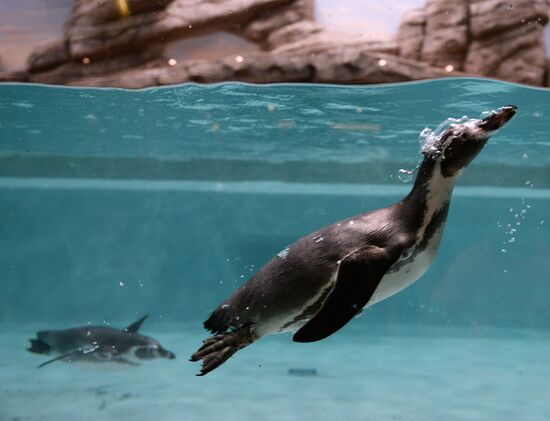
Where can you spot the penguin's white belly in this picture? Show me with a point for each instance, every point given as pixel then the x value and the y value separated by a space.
pixel 408 273
pixel 391 283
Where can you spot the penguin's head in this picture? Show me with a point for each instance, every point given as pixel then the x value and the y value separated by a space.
pixel 460 143
pixel 150 351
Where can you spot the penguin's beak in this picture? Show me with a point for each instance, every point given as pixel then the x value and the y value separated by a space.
pixel 498 118
pixel 164 353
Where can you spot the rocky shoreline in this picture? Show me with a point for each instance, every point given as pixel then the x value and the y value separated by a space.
pixel 123 44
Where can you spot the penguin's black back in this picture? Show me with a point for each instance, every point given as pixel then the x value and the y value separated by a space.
pixel 67 340
pixel 285 283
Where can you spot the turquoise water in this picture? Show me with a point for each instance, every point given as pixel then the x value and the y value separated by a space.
pixel 119 203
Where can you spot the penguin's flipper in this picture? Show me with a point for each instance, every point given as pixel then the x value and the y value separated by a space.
pixel 134 327
pixel 61 357
pixel 359 274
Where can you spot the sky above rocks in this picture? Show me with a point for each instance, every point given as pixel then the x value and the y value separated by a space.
pixel 377 19
pixel 24 24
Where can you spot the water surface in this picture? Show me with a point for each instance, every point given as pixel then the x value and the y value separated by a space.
pixel 119 203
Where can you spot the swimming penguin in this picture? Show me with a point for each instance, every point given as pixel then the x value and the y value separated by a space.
pixel 99 344
pixel 316 285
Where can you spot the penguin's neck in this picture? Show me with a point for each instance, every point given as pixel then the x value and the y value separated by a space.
pixel 428 201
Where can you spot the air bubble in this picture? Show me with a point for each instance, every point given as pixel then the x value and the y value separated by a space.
pixel 283 253
pixel 428 138
pixel 405 175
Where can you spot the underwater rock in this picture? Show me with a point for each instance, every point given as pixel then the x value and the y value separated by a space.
pixel 303 372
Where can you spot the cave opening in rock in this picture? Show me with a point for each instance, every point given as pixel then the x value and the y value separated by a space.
pixel 208 47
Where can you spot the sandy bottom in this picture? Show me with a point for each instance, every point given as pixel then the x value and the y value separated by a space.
pixel 392 373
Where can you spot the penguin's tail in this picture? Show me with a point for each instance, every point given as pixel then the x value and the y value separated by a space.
pixel 217 349
pixel 39 347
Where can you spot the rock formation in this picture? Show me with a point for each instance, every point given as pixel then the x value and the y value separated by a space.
pixel 446 33
pixel 410 35
pixel 123 43
pixel 494 38
pixel 508 40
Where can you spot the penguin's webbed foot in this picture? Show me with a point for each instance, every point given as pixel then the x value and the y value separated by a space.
pixel 219 348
